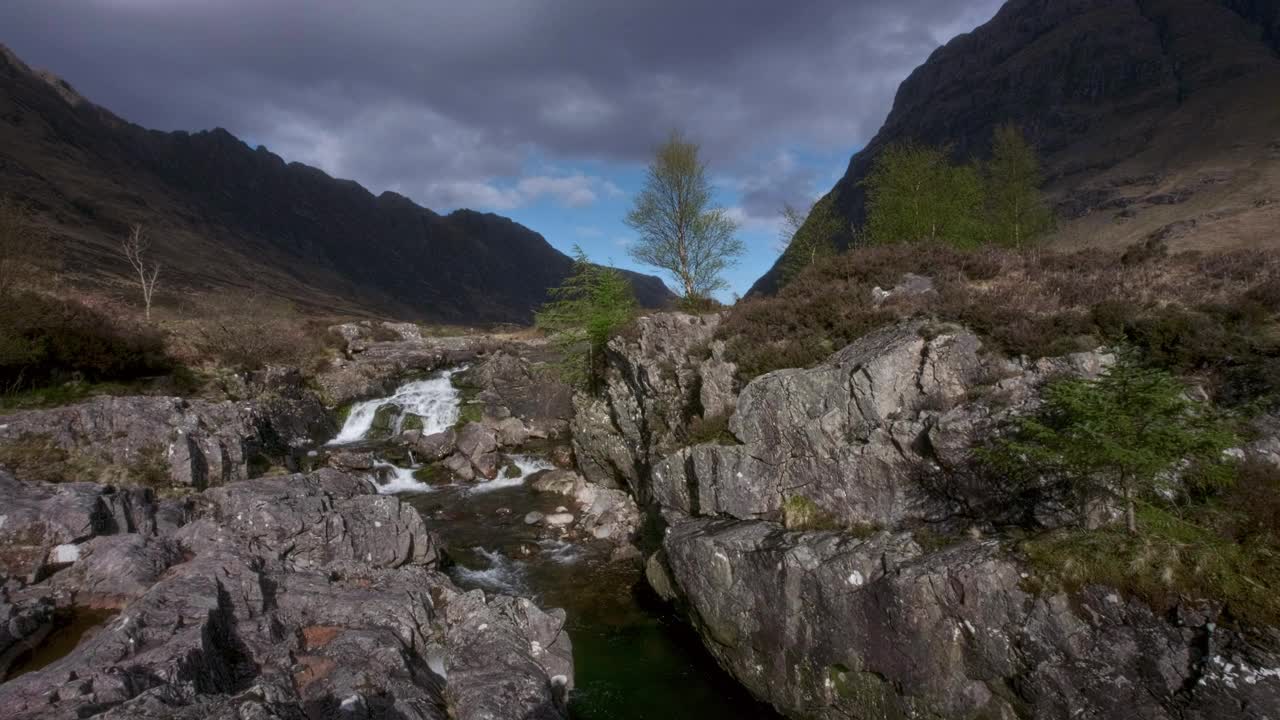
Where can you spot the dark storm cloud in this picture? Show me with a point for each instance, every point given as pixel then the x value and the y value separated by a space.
pixel 436 99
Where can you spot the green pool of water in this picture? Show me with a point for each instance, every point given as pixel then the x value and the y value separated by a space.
pixel 633 659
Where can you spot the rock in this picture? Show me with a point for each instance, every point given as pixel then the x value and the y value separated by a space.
pixel 831 626
pixel 24 624
pixel 559 519
pixel 374 368
pixel 602 454
pixel 288 597
pixel 35 517
pixel 162 440
pixel 474 439
pixel 533 518
pixel 844 436
pixel 521 395
pixel 511 432
pixel 352 460
pixel 659 577
pixel 487 464
pixel 717 393
pixel 911 285
pixel 560 482
pixel 460 466
pixel 436 446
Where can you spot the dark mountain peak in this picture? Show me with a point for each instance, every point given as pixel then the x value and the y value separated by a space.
pixel 225 214
pixel 1130 103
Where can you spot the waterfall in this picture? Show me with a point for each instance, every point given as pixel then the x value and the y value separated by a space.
pixel 434 400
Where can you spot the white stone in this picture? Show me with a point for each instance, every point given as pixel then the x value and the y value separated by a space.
pixel 64 554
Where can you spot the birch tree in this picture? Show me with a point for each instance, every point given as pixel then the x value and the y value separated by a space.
pixel 136 249
pixel 681 229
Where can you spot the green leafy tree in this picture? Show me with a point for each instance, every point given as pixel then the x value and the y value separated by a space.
pixel 583 313
pixel 810 236
pixel 681 230
pixel 1016 211
pixel 915 194
pixel 1114 437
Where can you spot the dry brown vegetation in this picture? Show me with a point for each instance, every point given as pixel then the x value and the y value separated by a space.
pixel 1208 315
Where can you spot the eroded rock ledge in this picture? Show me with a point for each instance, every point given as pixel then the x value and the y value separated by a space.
pixel 861 620
pixel 289 597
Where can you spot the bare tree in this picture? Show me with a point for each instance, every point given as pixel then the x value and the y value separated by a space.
pixel 137 250
pixel 21 241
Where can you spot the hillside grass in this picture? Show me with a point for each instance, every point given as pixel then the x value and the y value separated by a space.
pixel 1209 316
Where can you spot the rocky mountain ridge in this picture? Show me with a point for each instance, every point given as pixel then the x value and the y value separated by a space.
pixel 1154 118
pixel 224 215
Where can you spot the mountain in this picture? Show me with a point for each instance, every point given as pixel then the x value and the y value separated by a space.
pixel 1154 118
pixel 222 214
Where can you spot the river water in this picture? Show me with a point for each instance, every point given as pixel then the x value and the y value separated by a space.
pixel 634 660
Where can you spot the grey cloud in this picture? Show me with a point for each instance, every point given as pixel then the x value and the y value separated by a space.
pixel 436 99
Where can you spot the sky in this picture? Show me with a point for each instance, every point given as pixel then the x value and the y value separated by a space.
pixel 545 111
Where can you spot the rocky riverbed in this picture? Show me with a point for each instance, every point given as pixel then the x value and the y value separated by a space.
pixel 438 528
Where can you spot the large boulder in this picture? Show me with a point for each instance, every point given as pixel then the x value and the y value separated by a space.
pixel 829 625
pixel 844 436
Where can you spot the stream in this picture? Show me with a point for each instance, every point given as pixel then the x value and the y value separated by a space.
pixel 634 659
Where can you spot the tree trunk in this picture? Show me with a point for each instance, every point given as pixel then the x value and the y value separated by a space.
pixel 1130 512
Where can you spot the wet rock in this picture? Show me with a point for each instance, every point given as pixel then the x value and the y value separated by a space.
pixel 559 519
pixel 436 446
pixel 374 367
pixel 533 517
pixel 352 460
pixel 460 466
pixel 516 385
pixel 560 482
pixel 487 464
pixel 23 626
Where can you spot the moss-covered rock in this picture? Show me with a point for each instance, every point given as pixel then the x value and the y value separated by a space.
pixel 384 422
pixel 411 422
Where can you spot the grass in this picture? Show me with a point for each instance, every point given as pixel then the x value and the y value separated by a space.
pixel 1170 560
pixel 1214 316
pixel 710 430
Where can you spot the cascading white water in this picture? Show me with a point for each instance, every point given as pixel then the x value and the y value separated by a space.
pixel 435 400
pixel 527 465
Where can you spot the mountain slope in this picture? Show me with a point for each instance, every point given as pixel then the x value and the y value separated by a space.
pixel 1155 118
pixel 223 214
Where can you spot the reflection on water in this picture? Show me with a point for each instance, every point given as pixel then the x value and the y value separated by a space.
pixel 634 660
pixel 70 628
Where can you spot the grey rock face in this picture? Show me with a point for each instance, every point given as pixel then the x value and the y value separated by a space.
pixel 436 446
pixel 867 623
pixel 192 443
pixel 830 626
pixel 290 597
pixel 844 435
pixel 515 386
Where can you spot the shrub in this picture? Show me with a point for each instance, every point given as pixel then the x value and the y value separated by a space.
pixel 594 303
pixel 47 340
pixel 1113 438
pixel 248 330
pixel 711 430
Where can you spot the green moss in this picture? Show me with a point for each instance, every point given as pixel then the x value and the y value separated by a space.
pixel 431 474
pixel 149 468
pixel 711 430
pixel 384 421
pixel 869 693
pixel 341 414
pixel 1170 559
pixel 411 422
pixel 469 413
pixel 512 471
pixel 801 513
